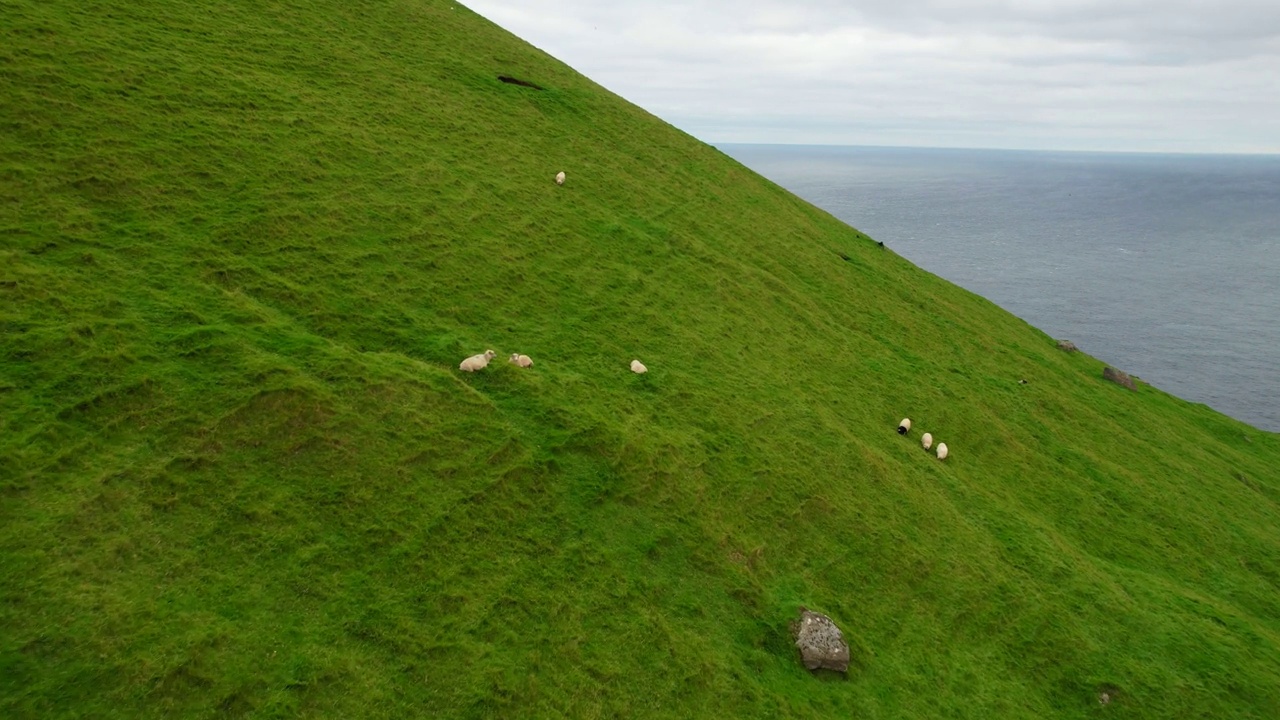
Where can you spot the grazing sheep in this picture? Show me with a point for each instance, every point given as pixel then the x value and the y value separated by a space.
pixel 638 367
pixel 560 178
pixel 521 360
pixel 927 440
pixel 942 451
pixel 904 427
pixel 477 362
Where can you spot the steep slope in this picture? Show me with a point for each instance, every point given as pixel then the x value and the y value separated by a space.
pixel 245 246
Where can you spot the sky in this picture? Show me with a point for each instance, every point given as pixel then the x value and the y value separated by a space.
pixel 1108 75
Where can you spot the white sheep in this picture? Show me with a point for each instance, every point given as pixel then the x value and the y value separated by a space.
pixel 927 440
pixel 521 360
pixel 638 367
pixel 477 362
pixel 904 427
pixel 942 451
pixel 560 178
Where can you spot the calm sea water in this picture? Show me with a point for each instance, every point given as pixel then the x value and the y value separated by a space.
pixel 1165 266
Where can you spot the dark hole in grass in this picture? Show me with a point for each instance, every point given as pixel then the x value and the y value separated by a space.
pixel 517 81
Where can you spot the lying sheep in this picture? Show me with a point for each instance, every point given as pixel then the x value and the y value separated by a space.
pixel 638 367
pixel 477 362
pixel 904 427
pixel 927 440
pixel 521 360
pixel 560 178
pixel 942 451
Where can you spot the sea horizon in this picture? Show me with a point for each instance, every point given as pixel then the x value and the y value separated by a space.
pixel 1267 154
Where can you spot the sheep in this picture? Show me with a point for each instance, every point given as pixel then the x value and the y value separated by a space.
pixel 521 360
pixel 560 178
pixel 476 362
pixel 942 451
pixel 904 427
pixel 638 367
pixel 927 440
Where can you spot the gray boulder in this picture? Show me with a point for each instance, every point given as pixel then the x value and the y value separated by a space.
pixel 821 643
pixel 1067 346
pixel 1118 377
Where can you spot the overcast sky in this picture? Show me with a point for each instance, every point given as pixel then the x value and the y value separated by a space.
pixel 1141 75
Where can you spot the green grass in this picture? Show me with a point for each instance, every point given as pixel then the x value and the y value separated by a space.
pixel 243 247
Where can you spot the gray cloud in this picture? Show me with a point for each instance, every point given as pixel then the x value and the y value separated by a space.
pixel 1112 75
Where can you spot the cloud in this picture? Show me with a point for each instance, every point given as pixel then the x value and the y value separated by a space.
pixel 1115 75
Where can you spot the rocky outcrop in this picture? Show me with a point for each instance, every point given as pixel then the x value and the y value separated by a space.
pixel 1067 346
pixel 821 643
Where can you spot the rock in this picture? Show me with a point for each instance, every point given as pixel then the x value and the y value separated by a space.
pixel 1067 346
pixel 821 643
pixel 1118 377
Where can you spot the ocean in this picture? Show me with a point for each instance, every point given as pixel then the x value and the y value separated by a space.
pixel 1164 266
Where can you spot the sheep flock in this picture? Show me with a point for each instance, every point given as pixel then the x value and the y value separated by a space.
pixel 926 440
pixel 481 361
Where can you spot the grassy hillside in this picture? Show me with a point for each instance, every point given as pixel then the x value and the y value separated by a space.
pixel 245 244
